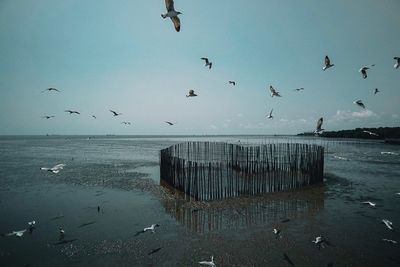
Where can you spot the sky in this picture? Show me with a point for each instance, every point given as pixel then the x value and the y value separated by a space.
pixel 122 55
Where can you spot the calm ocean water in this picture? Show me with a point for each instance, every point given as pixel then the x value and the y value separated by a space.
pixel 121 175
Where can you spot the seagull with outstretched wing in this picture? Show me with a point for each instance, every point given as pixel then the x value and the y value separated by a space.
pixel 172 14
pixel 327 63
pixel 208 63
pixel 274 92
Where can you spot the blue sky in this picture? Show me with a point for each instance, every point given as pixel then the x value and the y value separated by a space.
pixel 122 55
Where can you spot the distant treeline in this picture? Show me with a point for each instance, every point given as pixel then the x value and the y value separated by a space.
pixel 382 132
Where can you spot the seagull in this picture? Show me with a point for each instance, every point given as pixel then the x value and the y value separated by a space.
pixel 327 63
pixel 371 133
pixel 299 89
pixel 50 89
pixel 126 123
pixel 72 111
pixel 389 153
pixel 398 194
pixel 270 115
pixel 191 93
pixel 273 91
pixel 151 228
pixel 363 70
pixel 31 226
pixel 376 91
pixel 93 116
pixel 115 113
pixel 277 232
pixel 169 4
pixel 208 263
pixel 17 233
pixel 48 117
pixel 319 241
pixel 341 158
pixel 208 63
pixel 286 258
pixel 359 103
pixel 62 233
pixel 154 251
pixel 319 130
pixel 388 224
pixel 372 204
pixel 389 241
pixel 54 169
pixel 170 123
pixel 396 66
pixel 232 82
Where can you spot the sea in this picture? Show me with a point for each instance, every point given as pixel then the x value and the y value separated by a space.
pixel 110 190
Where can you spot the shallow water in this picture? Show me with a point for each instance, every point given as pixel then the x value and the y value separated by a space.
pixel 121 175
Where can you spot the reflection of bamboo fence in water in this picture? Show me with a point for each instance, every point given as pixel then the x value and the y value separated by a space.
pixel 245 213
pixel 210 170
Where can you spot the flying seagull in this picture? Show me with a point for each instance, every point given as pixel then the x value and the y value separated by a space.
pixel 232 82
pixel 72 111
pixel 319 130
pixel 319 241
pixel 327 63
pixel 389 153
pixel 372 204
pixel 371 133
pixel 54 169
pixel 388 224
pixel 93 116
pixel 396 66
pixel 359 103
pixel 126 123
pixel 270 115
pixel 115 113
pixel 16 233
pixel 273 91
pixel 151 228
pixel 169 4
pixel 299 89
pixel 339 157
pixel 363 70
pixel 191 93
pixel 170 123
pixel 389 241
pixel 51 89
pixel 48 117
pixel 208 263
pixel 376 91
pixel 208 63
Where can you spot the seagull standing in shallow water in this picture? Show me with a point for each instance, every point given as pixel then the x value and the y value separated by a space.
pixel 171 13
pixel 54 169
pixel 397 64
pixel 208 263
pixel 273 91
pixel 327 63
pixel 359 103
pixel 208 63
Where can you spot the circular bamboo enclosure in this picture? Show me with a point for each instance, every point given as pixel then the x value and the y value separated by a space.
pixel 212 170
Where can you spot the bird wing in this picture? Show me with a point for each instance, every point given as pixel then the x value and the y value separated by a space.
pixel 319 123
pixel 169 4
pixel 58 167
pixel 272 89
pixel 271 112
pixel 327 61
pixel 205 59
pixel 177 23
